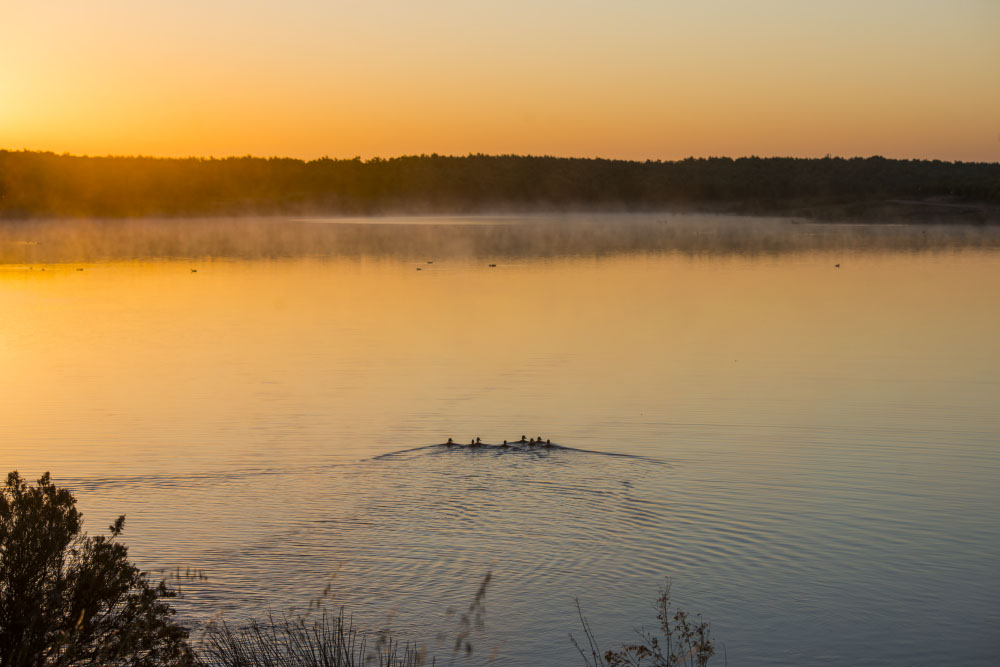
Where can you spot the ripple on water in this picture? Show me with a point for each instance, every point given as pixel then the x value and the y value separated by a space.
pixel 408 534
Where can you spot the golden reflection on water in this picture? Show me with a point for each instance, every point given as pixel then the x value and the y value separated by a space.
pixel 241 361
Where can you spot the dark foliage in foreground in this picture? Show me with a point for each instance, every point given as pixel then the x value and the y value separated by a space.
pixel 331 641
pixel 685 641
pixel 67 599
pixel 34 184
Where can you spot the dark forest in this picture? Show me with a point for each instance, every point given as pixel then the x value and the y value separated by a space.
pixel 47 185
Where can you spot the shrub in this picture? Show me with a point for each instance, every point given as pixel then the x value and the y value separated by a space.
pixel 67 599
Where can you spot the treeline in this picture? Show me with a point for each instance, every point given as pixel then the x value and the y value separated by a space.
pixel 37 184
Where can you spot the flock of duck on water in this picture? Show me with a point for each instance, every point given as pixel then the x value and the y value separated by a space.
pixel 531 442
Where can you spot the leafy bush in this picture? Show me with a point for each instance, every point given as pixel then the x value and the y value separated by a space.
pixel 67 599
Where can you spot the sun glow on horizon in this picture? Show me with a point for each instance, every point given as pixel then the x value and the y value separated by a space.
pixel 646 81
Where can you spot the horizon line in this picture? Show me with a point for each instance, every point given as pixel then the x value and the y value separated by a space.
pixel 377 159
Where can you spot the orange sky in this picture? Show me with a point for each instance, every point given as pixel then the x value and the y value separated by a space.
pixel 639 79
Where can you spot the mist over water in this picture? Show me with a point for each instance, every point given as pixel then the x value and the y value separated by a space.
pixel 808 450
pixel 464 237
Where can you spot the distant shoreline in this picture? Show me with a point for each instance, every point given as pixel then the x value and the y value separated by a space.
pixel 37 185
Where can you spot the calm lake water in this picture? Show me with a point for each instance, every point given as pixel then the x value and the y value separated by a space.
pixel 810 453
